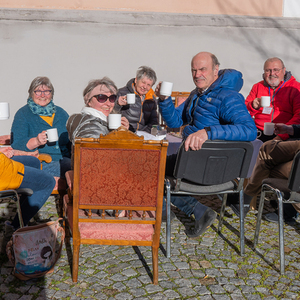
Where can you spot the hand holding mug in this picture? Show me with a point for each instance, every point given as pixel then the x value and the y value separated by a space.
pixel 157 92
pixel 122 100
pixel 125 122
pixel 256 103
pixel 263 101
pixel 42 138
pixel 281 128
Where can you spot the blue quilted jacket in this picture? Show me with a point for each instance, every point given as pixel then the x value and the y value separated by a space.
pixel 221 107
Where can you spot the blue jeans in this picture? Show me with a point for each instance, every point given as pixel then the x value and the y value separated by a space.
pixel 29 161
pixel 187 204
pixel 58 168
pixel 41 184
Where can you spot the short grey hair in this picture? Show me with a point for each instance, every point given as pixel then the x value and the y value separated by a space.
pixel 215 61
pixel 38 81
pixel 144 71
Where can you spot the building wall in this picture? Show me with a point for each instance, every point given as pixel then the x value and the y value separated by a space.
pixel 270 8
pixel 73 46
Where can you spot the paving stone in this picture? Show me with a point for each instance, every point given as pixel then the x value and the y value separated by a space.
pixel 123 296
pixel 186 291
pixel 171 294
pixel 227 272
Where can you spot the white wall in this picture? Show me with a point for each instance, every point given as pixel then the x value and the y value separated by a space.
pixel 72 47
pixel 291 8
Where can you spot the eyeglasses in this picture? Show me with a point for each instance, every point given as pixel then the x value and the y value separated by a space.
pixel 275 71
pixel 103 98
pixel 46 92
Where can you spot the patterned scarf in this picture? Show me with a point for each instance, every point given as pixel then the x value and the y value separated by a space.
pixel 36 109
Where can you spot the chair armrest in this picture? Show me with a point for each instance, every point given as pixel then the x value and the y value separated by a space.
pixel 45 157
pixel 70 177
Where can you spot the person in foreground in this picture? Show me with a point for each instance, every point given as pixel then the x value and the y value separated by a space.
pixel 284 92
pixel 28 132
pixel 143 114
pixel 214 110
pixel 99 98
pixel 275 160
pixel 13 175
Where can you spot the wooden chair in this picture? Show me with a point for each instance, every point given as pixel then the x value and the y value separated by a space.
pixel 117 172
pixel 179 97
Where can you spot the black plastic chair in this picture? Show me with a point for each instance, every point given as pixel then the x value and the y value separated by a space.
pixel 219 167
pixel 286 191
pixel 14 194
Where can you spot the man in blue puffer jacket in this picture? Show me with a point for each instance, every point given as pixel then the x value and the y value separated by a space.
pixel 214 110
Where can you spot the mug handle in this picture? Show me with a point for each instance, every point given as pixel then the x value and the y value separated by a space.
pixel 258 134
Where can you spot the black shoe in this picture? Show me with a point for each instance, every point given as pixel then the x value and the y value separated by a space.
pixel 203 224
pixel 236 209
pixel 273 217
pixel 164 216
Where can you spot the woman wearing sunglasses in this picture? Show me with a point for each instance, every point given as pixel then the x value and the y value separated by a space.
pixel 99 98
pixel 28 132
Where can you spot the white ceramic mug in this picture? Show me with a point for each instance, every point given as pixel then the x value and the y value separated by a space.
pixel 114 121
pixel 269 128
pixel 52 135
pixel 4 111
pixel 166 88
pixel 265 101
pixel 130 98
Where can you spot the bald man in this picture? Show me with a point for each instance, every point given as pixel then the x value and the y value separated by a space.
pixel 284 92
pixel 214 110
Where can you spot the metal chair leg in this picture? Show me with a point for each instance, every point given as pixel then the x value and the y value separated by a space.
pixel 242 224
pixel 259 216
pixel 222 212
pixel 168 223
pixel 281 232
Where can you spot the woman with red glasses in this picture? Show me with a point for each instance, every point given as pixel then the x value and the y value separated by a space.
pixel 99 98
pixel 28 132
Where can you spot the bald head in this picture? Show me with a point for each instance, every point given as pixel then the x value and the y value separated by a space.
pixel 274 71
pixel 205 68
pixel 274 59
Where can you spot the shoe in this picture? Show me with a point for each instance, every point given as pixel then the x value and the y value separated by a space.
pixel 273 217
pixel 164 216
pixel 203 224
pixel 8 232
pixel 236 209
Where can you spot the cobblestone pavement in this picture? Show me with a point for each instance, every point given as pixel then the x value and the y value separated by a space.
pixel 208 267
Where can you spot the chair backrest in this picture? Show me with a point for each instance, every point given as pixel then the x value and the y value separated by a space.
pixel 119 171
pixel 215 163
pixel 179 97
pixel 294 178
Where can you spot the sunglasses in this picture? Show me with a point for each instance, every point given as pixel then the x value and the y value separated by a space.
pixel 103 98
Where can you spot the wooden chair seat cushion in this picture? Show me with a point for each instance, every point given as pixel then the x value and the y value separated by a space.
pixel 110 231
